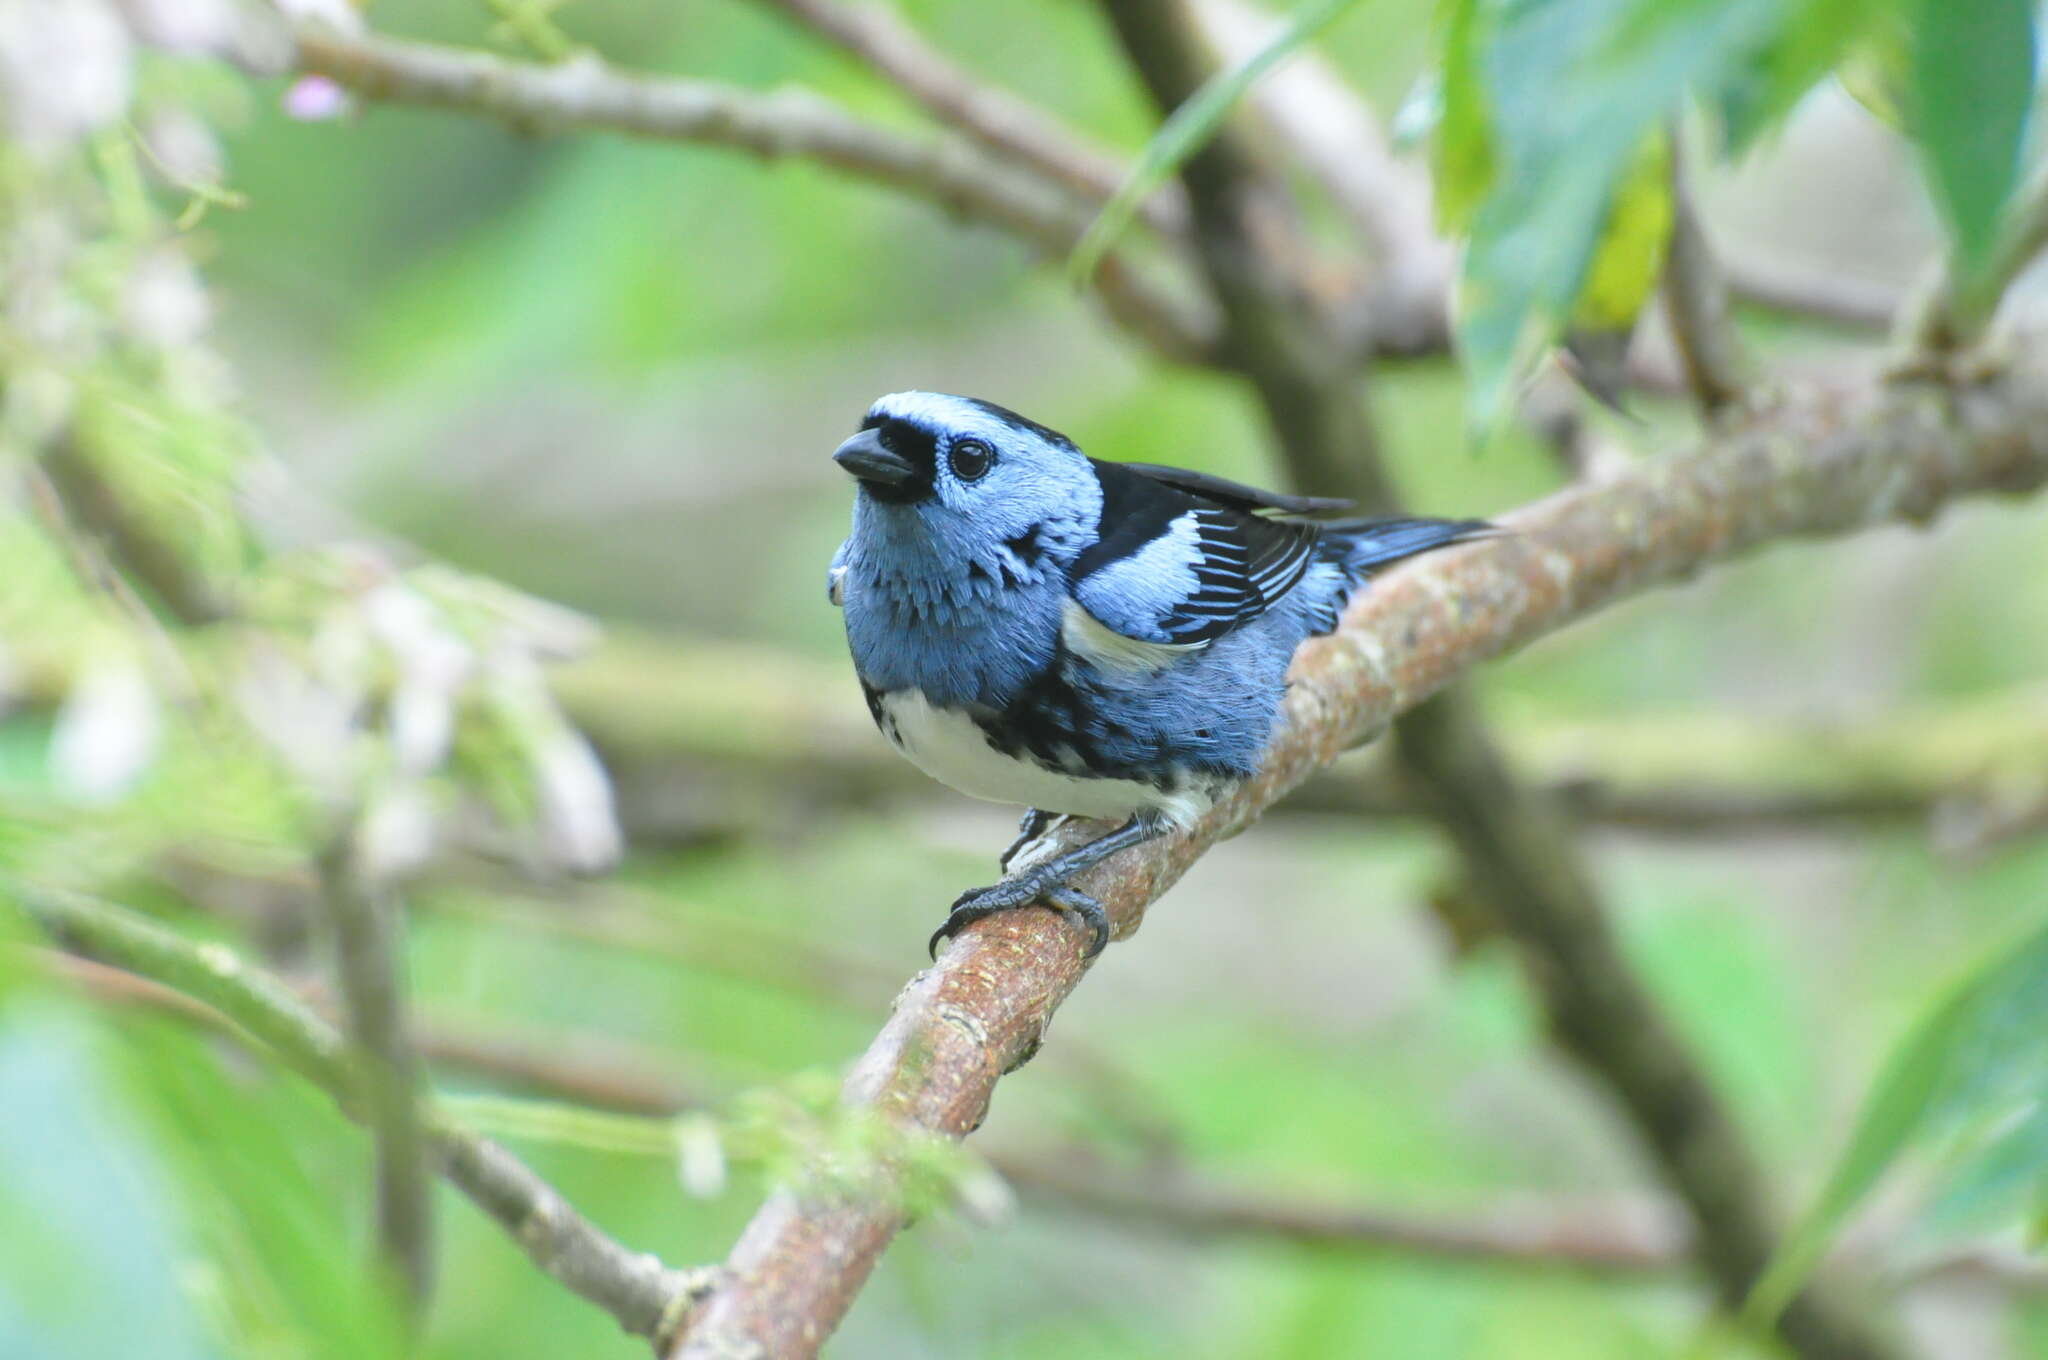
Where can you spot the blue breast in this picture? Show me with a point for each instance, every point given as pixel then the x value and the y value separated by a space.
pixel 971 642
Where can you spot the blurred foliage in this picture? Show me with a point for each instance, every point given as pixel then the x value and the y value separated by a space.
pixel 1192 125
pixel 1546 107
pixel 1973 91
pixel 1971 1074
pixel 609 373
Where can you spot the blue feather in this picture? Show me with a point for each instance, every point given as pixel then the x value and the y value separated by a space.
pixel 963 574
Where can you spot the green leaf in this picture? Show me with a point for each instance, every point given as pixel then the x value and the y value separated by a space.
pixel 1980 1055
pixel 1818 36
pixel 1878 74
pixel 1188 129
pixel 1994 1174
pixel 1628 260
pixel 1629 256
pixel 1973 83
pixel 1466 163
pixel 257 1164
pixel 1573 90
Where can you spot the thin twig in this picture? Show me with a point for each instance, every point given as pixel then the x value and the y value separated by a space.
pixel 669 724
pixel 643 924
pixel 583 92
pixel 1622 1239
pixel 1696 298
pixel 370 965
pixel 1533 884
pixel 642 1294
pixel 1042 203
pixel 1325 125
pixel 703 740
pixel 98 573
pixel 1959 307
pixel 145 551
pixel 1000 121
pixel 1625 1240
pixel 1870 452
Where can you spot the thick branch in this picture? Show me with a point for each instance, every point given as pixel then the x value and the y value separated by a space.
pixel 1517 849
pixel 1827 460
pixel 636 1289
pixel 585 93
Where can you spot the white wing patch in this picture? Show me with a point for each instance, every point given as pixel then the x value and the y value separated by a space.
pixel 1108 650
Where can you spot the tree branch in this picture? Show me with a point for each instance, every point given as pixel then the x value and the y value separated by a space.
pixel 1696 298
pixel 1331 133
pixel 1828 459
pixel 1518 851
pixel 1533 882
pixel 369 962
pixel 643 1295
pixel 143 550
pixel 1047 202
pixel 1622 1239
pixel 709 739
pixel 1274 333
pixel 1002 122
pixel 1959 309
pixel 1838 299
pixel 585 93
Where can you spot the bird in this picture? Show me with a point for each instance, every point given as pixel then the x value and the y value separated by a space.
pixel 1081 637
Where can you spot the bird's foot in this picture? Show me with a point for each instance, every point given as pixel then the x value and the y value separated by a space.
pixel 1036 886
pixel 1048 883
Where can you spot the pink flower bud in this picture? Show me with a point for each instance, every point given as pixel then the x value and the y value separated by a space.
pixel 315 99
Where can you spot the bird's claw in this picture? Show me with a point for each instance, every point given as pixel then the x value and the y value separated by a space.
pixel 1023 891
pixel 1030 829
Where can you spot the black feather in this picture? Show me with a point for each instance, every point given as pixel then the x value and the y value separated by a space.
pixel 1236 495
pixel 1247 563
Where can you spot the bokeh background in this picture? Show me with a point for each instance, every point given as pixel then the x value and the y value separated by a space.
pixel 610 374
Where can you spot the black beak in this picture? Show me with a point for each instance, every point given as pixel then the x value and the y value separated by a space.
pixel 864 457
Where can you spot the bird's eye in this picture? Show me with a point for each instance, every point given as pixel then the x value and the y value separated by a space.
pixel 970 458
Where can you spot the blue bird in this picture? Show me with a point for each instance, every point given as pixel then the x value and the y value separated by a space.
pixel 1108 640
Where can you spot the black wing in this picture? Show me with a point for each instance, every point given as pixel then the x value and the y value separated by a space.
pixel 1234 494
pixel 1180 568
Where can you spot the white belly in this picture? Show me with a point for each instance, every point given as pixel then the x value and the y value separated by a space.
pixel 946 745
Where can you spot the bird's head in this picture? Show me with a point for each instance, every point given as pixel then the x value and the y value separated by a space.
pixel 967 470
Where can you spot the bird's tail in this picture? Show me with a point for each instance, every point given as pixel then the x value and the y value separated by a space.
pixel 1362 545
pixel 1358 547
